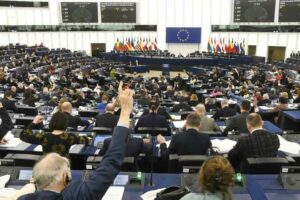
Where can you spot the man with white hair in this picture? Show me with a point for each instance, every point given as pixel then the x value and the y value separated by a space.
pixel 52 174
pixel 265 100
pixel 225 111
pixel 207 124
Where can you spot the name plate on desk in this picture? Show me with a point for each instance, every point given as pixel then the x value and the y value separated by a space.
pixel 289 178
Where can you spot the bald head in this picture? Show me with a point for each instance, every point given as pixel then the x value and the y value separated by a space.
pixel 66 107
pixel 200 109
pixel 110 108
pixel 50 172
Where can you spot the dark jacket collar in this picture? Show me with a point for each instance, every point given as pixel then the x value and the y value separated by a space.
pixel 191 130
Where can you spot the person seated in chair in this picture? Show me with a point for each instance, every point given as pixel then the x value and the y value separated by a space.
pixel 7 101
pixel 52 174
pixel 153 119
pixel 73 121
pixel 58 140
pixel 5 124
pixel 260 143
pixel 207 124
pixel 238 122
pixel 190 142
pixel 216 179
pixel 182 106
pixel 108 119
pixel 225 111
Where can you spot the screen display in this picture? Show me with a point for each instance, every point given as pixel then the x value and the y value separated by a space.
pixel 100 139
pixel 79 12
pixel 254 10
pixel 118 12
pixel 121 180
pixel 25 174
pixel 289 11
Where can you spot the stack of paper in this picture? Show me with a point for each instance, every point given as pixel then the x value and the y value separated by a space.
pixel 265 108
pixel 3 180
pixel 287 146
pixel 179 124
pixel 176 117
pixel 224 146
pixel 151 195
pixel 12 143
pixel 114 193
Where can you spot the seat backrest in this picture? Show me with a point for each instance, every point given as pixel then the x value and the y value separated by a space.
pixel 264 165
pixel 190 163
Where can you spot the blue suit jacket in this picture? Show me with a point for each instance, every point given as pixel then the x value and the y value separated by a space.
pixel 97 184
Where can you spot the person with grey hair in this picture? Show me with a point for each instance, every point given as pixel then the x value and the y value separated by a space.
pixel 207 124
pixel 225 110
pixel 52 174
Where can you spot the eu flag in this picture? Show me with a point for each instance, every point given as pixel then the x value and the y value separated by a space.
pixel 183 35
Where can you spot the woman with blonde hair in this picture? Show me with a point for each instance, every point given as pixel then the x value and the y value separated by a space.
pixel 216 178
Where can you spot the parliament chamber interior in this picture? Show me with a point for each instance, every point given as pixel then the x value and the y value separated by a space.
pixel 150 99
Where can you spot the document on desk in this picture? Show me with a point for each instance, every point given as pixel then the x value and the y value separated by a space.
pixel 224 146
pixel 179 124
pixel 3 180
pixel 151 195
pixel 9 136
pixel 38 148
pixel 265 108
pixel 7 193
pixel 176 117
pixel 12 143
pixel 287 146
pixel 114 193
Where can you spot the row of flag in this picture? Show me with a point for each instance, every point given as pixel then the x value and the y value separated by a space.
pixel 223 45
pixel 136 44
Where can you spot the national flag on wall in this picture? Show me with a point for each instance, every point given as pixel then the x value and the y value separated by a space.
pixel 155 44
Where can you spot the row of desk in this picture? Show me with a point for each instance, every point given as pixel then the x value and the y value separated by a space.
pixel 256 187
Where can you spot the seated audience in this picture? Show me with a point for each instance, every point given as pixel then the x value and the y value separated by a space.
pixel 193 100
pixel 5 123
pixel 7 101
pixel 73 121
pixel 101 105
pixel 297 100
pixel 210 105
pixel 207 124
pixel 161 111
pixel 153 119
pixel 182 106
pixel 238 122
pixel 108 119
pixel 265 100
pixel 225 111
pixel 259 143
pixel 58 140
pixel 216 178
pixel 282 105
pixel 190 142
pixel 29 98
pixel 45 96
